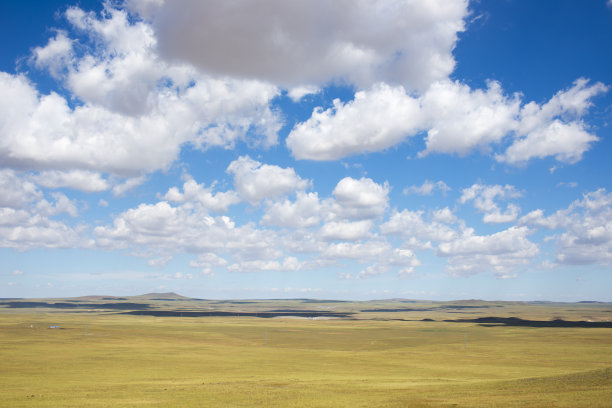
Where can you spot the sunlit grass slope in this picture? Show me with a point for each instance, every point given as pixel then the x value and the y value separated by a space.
pixel 102 358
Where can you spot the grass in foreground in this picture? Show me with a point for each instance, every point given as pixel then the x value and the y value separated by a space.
pixel 99 360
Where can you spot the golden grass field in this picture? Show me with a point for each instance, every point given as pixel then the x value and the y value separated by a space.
pixel 101 358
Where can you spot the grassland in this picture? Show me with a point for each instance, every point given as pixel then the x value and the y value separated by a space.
pixel 380 354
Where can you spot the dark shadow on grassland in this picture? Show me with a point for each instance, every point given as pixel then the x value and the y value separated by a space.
pixel 515 321
pixel 171 313
pixel 66 305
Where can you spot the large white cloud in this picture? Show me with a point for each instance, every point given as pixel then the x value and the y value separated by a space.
pixel 134 111
pixel 373 121
pixel 457 120
pixel 295 42
pixel 555 128
pixel 255 181
pixel 461 119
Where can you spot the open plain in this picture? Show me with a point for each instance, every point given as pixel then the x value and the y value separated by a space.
pixel 162 350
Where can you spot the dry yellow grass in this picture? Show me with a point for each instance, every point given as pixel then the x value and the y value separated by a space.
pixel 100 359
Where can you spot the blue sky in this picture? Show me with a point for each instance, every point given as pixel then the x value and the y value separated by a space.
pixel 415 149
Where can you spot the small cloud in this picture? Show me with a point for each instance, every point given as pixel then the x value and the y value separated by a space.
pixel 17 272
pixel 427 188
pixel 102 203
pixel 10 284
pixel 296 94
pixel 352 165
pixel 485 199
pixel 476 18
pixel 180 275
pixel 159 262
pixel 371 271
pixel 570 184
pixel 120 189
pixel 345 276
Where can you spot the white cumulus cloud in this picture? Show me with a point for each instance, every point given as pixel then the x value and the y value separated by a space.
pixel 554 128
pixel 360 199
pixel 346 230
pixel 255 181
pixel 373 121
pixel 427 188
pixel 501 252
pixel 81 180
pixel 419 232
pixel 135 111
pixel 17 191
pixel 204 196
pixel 457 120
pixel 304 212
pixel 461 119
pixel 586 229
pixel 484 198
